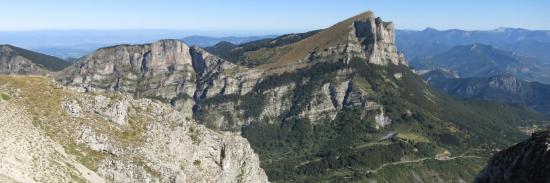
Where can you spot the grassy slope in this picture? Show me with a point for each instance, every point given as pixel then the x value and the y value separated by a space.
pixel 286 51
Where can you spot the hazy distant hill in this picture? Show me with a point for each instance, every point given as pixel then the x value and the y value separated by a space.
pixel 479 60
pixel 429 42
pixel 77 43
pixel 205 41
pixel 502 88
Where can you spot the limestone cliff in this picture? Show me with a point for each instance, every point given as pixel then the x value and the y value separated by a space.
pixel 196 82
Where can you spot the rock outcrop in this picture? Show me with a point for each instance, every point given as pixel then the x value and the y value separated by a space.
pixel 27 154
pixel 162 70
pixel 528 161
pixel 376 40
pixel 110 137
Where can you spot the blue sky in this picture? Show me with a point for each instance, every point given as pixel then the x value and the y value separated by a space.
pixel 265 17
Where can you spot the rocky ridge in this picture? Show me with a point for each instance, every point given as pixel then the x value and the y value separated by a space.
pixel 528 161
pixel 189 77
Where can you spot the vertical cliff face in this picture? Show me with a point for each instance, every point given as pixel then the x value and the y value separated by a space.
pixel 162 70
pixel 376 40
pixel 528 161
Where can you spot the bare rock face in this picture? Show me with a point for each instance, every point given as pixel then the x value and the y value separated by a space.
pixel 172 148
pixel 375 39
pixel 277 101
pixel 216 76
pixel 162 70
pixel 528 161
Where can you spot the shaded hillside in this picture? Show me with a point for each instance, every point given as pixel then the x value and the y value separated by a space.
pixel 20 61
pixel 528 161
pixel 205 41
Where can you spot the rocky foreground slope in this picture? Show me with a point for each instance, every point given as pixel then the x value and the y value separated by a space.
pixel 60 135
pixel 528 161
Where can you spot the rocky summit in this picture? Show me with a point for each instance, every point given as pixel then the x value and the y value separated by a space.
pixel 333 105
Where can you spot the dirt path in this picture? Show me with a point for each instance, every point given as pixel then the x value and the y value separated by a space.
pixel 420 160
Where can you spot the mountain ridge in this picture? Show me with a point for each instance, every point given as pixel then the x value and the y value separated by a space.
pixel 480 60
pixel 326 105
pixel 16 60
pixel 502 88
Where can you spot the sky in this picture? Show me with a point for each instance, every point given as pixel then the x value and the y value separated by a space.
pixel 247 17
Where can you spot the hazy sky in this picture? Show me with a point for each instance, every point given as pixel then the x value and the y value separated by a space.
pixel 264 17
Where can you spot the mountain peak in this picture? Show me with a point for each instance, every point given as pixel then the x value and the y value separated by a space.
pixel 363 16
pixel 364 36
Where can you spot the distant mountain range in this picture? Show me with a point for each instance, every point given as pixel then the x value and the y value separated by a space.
pixel 205 41
pixel 429 42
pixel 480 60
pixel 502 88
